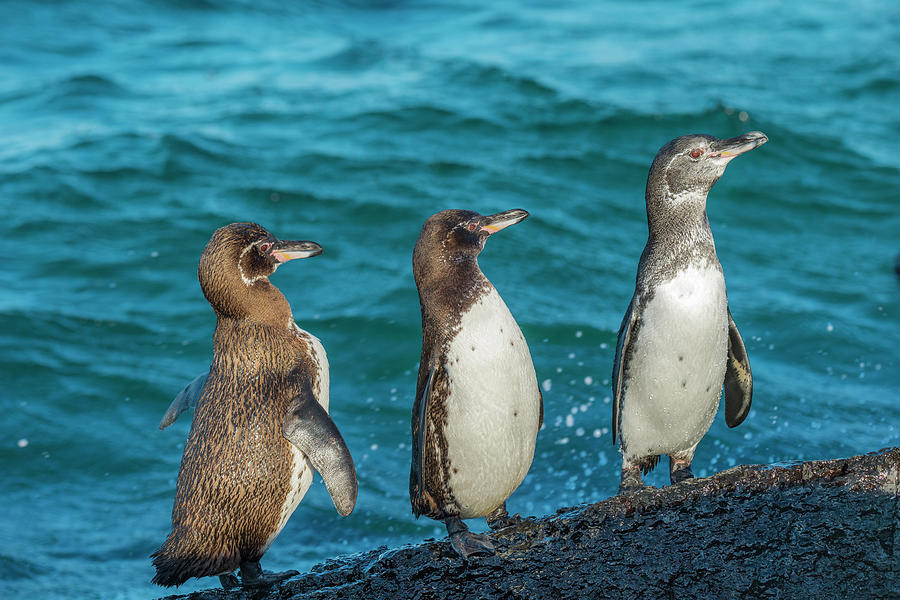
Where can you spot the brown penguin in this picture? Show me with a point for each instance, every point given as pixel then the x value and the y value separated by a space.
pixel 261 423
pixel 478 406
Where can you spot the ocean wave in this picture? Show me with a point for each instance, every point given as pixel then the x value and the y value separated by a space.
pixel 17 568
pixel 80 91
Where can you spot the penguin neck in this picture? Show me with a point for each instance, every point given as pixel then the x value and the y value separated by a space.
pixel 246 335
pixel 450 287
pixel 256 304
pixel 678 229
pixel 246 349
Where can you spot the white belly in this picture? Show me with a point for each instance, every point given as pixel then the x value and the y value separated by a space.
pixel 492 409
pixel 301 468
pixel 677 368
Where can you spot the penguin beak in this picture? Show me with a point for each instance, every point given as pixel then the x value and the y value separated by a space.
pixel 494 223
pixel 736 146
pixel 284 251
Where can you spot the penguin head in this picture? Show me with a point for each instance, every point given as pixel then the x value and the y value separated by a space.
pixel 235 266
pixel 688 166
pixel 455 235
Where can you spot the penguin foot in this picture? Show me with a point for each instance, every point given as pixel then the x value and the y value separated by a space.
pixel 465 542
pixel 680 474
pixel 229 581
pixel 252 575
pixel 500 518
pixel 631 480
pixel 468 544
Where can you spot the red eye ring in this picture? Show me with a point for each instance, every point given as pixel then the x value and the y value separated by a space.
pixel 696 152
pixel 471 227
pixel 265 247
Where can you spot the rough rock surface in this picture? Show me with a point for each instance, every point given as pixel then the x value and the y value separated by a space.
pixel 822 529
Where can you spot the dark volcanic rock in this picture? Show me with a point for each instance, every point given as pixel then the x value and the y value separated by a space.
pixel 822 529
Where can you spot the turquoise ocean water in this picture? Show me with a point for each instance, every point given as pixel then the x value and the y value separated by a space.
pixel 129 131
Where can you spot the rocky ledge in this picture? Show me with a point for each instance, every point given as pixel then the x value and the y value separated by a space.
pixel 819 529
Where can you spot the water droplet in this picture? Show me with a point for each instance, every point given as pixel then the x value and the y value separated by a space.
pixel 578 334
pixel 588 380
pixel 547 385
pixel 829 328
pixel 22 443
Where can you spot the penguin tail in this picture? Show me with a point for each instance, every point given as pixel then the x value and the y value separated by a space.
pixel 189 554
pixel 649 463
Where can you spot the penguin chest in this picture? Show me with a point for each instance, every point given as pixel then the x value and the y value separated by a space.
pixel 492 408
pixel 301 476
pixel 300 468
pixel 677 366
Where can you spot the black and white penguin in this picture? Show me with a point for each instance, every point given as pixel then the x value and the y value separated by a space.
pixel 261 423
pixel 678 344
pixel 478 406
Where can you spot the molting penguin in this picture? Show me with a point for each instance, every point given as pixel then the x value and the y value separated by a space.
pixel 678 344
pixel 261 423
pixel 478 407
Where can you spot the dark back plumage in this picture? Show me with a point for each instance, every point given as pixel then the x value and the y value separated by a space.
pixel 449 280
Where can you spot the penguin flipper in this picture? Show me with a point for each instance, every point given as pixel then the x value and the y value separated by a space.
pixel 309 427
pixel 618 375
pixel 420 428
pixel 186 398
pixel 738 378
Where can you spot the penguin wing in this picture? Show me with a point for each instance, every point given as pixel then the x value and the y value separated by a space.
pixel 309 427
pixel 186 398
pixel 618 375
pixel 420 427
pixel 738 378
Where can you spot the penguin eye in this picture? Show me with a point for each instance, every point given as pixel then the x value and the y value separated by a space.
pixel 265 247
pixel 696 152
pixel 471 227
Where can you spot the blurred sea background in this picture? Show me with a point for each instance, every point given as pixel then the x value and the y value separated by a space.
pixel 130 131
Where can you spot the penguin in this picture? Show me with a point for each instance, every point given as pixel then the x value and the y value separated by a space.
pixel 678 345
pixel 478 406
pixel 261 422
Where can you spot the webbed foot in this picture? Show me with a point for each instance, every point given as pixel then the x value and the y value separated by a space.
pixel 252 575
pixel 631 480
pixel 499 518
pixel 680 472
pixel 229 581
pixel 466 543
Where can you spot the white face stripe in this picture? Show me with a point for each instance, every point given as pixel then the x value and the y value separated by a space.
pixel 248 281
